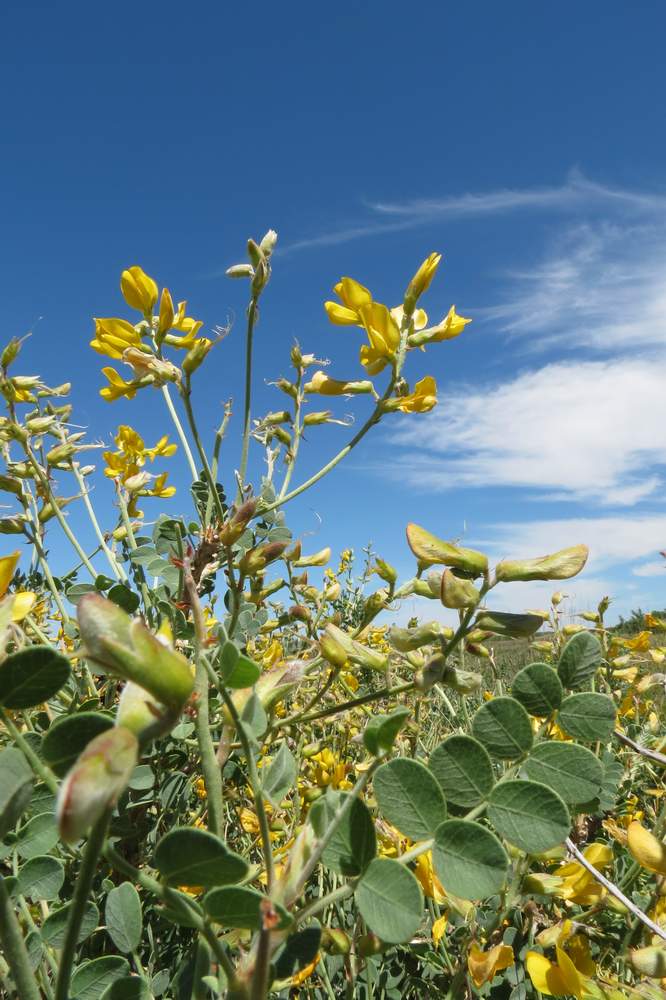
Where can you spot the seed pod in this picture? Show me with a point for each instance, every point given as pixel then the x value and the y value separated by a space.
pixel 457 592
pixel 432 551
pixel 560 565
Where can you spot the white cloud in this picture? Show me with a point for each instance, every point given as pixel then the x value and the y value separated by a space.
pixel 576 194
pixel 573 430
pixel 602 285
pixel 655 568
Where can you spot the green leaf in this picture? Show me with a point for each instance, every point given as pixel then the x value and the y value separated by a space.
pixel 299 950
pixel 409 797
pixel 15 788
pixel 31 676
pixel 254 717
pixel 238 671
pixel 463 769
pixel 124 598
pixel 613 772
pixel 68 736
pixel 530 815
pixel 354 843
pixel 588 716
pixel 538 689
pixel 38 836
pixel 41 878
pixel 187 856
pixel 280 776
pixel 55 925
pixel 381 731
pixel 504 728
pixel 122 914
pixel 469 860
pixel 92 978
pixel 579 660
pixel 239 906
pixel 128 988
pixel 390 900
pixel 570 770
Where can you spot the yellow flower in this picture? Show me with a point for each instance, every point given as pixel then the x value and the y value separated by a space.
pixel 139 290
pixel 555 979
pixel 422 400
pixel 166 315
pixel 384 337
pixel 326 770
pixel 579 885
pixel 439 929
pixel 249 821
pixel 117 387
pixel 425 873
pixel 160 489
pixel 185 325
pixel 420 283
pixel 646 849
pixel 353 296
pixel 200 788
pixel 22 602
pixel 305 972
pixel 113 336
pixel 484 965
pixel 325 386
pixel 451 326
pixel 639 644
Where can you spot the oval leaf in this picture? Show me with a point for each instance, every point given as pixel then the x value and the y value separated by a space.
pixel 54 927
pixel 239 906
pixel 38 836
pixel 469 860
pixel 123 917
pixel 579 660
pixel 588 716
pixel 15 788
pixel 354 843
pixel 68 736
pixel 530 815
pixel 390 900
pixel 32 676
pixel 187 856
pixel 538 689
pixel 381 730
pixel 280 776
pixel 40 878
pixel 570 770
pixel 463 769
pixel 504 728
pixel 92 978
pixel 409 797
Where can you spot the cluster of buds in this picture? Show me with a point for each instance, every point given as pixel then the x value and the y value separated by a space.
pixel 259 268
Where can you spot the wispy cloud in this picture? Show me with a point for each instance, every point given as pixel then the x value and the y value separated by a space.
pixel 583 430
pixel 576 193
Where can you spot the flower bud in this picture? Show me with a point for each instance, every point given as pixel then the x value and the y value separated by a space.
pixel 124 647
pixel 325 386
pixel 240 271
pixel 61 453
pixel 421 281
pixel 557 598
pixel 93 784
pixel 541 884
pixel 332 650
pixel 12 525
pixel 256 560
pixel 139 290
pixel 407 639
pixel 503 623
pixel 335 941
pixel 196 354
pixel 456 592
pixel 561 565
pixel 142 715
pixel 317 559
pixel 166 315
pixel 650 962
pixel 10 485
pixel 572 629
pixel 432 551
pixel 385 571
pixel 10 352
pixel 268 242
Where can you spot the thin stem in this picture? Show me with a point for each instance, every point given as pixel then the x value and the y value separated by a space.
pixel 654 755
pixel 355 703
pixel 14 950
pixel 614 891
pixel 116 568
pixel 247 403
pixel 185 395
pixel 40 769
pixel 82 888
pixel 180 431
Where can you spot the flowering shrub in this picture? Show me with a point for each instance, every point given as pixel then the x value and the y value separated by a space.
pixel 222 773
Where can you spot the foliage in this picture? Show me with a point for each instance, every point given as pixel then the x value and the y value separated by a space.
pixel 222 773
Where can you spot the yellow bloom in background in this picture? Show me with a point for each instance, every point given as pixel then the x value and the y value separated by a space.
pixel 22 602
pixel 113 336
pixel 327 770
pixel 422 400
pixel 484 965
pixel 425 873
pixel 439 929
pixel 639 644
pixel 646 849
pixel 160 489
pixel 117 387
pixel 139 290
pixel 579 885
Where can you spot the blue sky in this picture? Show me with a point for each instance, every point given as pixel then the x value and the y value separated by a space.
pixel 524 141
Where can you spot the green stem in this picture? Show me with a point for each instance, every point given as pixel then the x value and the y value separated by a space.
pixel 36 764
pixel 82 888
pixel 336 709
pixel 247 404
pixel 116 568
pixel 185 394
pixel 180 431
pixel 14 950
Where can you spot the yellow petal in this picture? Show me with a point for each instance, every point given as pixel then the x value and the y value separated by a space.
pixel 166 312
pixel 340 315
pixel 646 848
pixel 7 567
pixel 483 965
pixel 22 605
pixel 545 975
pixel 353 294
pixel 599 855
pixel 572 979
pixel 439 929
pixel 139 290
